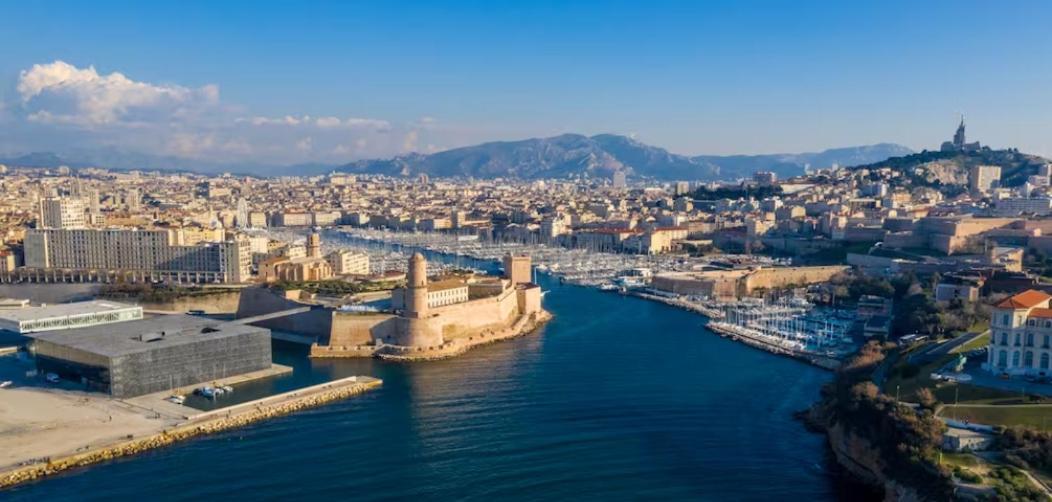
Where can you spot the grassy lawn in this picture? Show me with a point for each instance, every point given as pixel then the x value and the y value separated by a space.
pixel 907 380
pixel 981 341
pixel 1036 416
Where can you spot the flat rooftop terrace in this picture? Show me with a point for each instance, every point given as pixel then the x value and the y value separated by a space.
pixel 67 315
pixel 63 310
pixel 131 337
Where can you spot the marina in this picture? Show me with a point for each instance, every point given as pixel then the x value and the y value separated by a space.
pixel 788 326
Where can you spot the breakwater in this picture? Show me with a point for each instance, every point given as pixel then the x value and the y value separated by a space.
pixel 202 424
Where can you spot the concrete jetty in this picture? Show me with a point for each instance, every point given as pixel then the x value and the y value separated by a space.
pixel 208 422
pixel 822 361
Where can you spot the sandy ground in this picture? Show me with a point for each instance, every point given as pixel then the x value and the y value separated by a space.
pixel 36 423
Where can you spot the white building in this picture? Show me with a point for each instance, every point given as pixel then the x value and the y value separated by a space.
pixel 67 315
pixel 345 262
pixel 62 212
pixel 1015 206
pixel 147 254
pixel 983 178
pixel 1021 335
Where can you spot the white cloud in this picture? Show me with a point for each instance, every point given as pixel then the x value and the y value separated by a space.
pixel 61 93
pixel 409 141
pixel 58 106
pixel 319 122
pixel 328 122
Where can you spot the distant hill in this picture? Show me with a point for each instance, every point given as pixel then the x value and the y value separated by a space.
pixel 564 156
pixel 575 155
pixel 939 168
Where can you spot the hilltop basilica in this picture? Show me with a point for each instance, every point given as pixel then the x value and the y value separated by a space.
pixel 958 144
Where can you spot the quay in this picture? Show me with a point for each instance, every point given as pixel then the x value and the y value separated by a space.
pixel 209 422
pixel 711 313
pixel 759 342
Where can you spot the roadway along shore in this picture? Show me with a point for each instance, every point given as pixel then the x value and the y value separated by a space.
pixel 201 424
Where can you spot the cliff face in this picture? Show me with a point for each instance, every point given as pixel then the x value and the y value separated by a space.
pixel 858 456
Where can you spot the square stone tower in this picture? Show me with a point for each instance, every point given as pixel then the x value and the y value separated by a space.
pixel 517 269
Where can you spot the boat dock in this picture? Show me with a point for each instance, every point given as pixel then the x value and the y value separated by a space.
pixel 773 346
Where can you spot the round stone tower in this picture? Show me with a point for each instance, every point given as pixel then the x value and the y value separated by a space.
pixel 416 287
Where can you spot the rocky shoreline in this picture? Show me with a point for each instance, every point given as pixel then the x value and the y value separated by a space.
pixel 210 425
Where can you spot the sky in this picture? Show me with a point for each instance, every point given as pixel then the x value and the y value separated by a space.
pixel 331 82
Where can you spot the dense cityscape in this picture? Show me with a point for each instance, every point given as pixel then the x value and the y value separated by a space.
pixel 435 253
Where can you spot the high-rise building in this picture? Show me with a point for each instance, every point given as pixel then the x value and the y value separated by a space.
pixel 682 188
pixel 133 199
pixel 241 219
pixel 62 212
pixel 983 178
pixel 620 180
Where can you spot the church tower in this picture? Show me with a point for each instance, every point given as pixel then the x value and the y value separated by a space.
pixel 416 287
pixel 958 137
pixel 314 245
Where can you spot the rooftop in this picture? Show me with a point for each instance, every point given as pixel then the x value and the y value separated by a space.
pixel 114 340
pixel 1025 300
pixel 62 310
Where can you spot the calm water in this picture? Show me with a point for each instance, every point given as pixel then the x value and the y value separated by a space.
pixel 617 398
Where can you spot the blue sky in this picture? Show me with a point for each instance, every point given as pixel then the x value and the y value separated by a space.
pixel 217 80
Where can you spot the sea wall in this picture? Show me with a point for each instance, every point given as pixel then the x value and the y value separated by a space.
pixel 780 277
pixel 463 319
pixel 521 326
pixel 329 393
pixel 353 328
pixel 224 302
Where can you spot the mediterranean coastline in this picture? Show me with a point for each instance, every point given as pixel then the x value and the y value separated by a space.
pixel 614 350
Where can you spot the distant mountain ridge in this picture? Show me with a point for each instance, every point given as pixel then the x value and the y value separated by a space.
pixel 563 156
pixel 571 155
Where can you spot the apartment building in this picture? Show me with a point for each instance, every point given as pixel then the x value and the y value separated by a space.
pixel 62 212
pixel 149 254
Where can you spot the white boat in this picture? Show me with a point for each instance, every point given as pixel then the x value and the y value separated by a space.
pixel 177 399
pixel 208 392
pixel 5 384
pixel 607 287
pixel 228 389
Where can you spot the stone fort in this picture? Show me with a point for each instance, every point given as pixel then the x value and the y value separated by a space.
pixel 434 319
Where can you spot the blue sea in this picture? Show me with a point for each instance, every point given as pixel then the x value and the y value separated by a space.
pixel 617 398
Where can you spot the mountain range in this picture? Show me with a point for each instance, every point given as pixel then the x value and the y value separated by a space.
pixel 571 155
pixel 563 156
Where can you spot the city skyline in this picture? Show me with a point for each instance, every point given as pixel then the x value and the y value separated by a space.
pixel 336 83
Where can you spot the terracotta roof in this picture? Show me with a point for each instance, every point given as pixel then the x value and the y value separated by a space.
pixel 1025 300
pixel 1042 313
